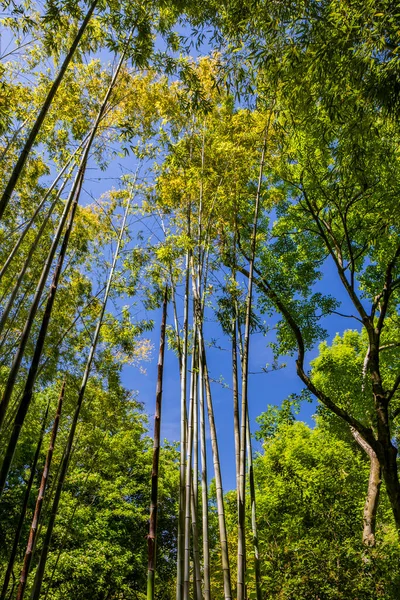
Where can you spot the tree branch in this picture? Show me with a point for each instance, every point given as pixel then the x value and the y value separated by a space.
pixel 393 391
pixel 351 292
pixel 264 286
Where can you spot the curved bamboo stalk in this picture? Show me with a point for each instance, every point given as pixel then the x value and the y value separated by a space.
pixel 37 354
pixel 71 204
pixel 40 206
pixel 28 260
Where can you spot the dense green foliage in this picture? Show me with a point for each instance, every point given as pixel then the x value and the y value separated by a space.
pixel 99 543
pixel 311 487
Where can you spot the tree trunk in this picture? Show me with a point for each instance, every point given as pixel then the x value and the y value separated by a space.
pixel 24 507
pixel 385 450
pixel 39 501
pixel 67 453
pixel 371 502
pixel 42 114
pixel 373 492
pixel 387 458
pixel 156 457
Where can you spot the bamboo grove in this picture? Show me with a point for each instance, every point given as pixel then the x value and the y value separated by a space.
pixel 218 182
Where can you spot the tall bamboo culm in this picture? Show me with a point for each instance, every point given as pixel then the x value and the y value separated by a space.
pixel 241 558
pixel 71 204
pixel 152 537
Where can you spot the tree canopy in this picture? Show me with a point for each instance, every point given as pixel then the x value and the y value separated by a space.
pixel 218 180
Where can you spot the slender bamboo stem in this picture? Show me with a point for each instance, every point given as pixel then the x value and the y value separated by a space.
pixel 241 567
pixel 14 369
pixel 235 387
pixel 33 370
pixel 152 537
pixel 197 593
pixel 71 203
pixel 196 442
pixel 189 483
pixel 204 488
pixel 39 208
pixel 183 442
pixel 28 260
pixel 257 564
pixel 217 471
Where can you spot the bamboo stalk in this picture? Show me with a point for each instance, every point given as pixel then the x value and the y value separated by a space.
pixel 152 537
pixel 183 442
pixel 241 559
pixel 189 482
pixel 27 396
pixel 204 488
pixel 40 206
pixel 218 477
